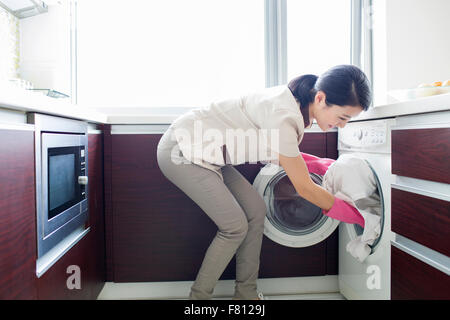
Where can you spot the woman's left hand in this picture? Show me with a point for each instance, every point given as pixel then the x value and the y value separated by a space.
pixel 315 164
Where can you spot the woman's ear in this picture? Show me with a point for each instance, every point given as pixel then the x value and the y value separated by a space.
pixel 320 97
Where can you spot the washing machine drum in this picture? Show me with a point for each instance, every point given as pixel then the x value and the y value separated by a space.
pixel 290 219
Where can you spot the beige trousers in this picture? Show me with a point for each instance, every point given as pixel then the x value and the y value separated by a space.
pixel 237 209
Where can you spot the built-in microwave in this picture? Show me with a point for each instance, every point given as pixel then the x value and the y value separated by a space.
pixel 61 179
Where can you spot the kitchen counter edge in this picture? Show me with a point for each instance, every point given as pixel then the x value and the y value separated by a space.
pixel 16 108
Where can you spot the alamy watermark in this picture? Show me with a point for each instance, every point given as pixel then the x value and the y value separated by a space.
pixel 242 146
pixel 74 280
pixel 374 279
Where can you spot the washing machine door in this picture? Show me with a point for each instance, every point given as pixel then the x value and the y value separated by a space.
pixel 290 219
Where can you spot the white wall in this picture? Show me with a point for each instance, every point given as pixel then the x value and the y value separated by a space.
pixel 411 43
pixel 418 42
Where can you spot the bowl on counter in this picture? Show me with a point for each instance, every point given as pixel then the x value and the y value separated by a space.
pixel 411 94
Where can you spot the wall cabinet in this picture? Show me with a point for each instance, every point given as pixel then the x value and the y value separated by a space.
pixel 420 213
pixel 154 232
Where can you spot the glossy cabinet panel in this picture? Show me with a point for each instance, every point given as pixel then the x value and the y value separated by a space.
pixel 422 219
pixel 17 215
pixel 422 154
pixel 412 279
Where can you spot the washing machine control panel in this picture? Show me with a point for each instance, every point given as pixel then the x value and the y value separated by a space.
pixel 370 136
pixel 361 135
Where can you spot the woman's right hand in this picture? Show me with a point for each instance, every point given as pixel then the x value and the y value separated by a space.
pixel 344 212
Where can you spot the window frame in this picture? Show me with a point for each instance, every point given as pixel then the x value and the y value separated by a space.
pixel 276 39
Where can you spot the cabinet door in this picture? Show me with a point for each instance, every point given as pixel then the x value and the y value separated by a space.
pixel 420 218
pixel 414 279
pixel 17 215
pixel 155 232
pixel 422 154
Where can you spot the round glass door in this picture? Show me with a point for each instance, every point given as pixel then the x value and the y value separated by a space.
pixel 288 211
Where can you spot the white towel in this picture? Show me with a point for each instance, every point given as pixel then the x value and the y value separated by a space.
pixel 351 179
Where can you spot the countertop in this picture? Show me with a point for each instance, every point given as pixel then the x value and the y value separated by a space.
pixel 22 101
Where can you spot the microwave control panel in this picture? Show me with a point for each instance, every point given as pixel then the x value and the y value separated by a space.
pixel 83 179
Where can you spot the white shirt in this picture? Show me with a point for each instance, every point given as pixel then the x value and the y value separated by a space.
pixel 253 128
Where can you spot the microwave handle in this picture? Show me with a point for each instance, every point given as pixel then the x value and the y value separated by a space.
pixel 83 180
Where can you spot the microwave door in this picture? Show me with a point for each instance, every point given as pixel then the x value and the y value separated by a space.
pixel 62 195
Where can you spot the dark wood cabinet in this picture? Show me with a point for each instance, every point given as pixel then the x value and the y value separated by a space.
pixel 96 221
pixel 412 279
pixel 422 154
pixel 52 285
pixel 419 215
pixel 422 219
pixel 17 215
pixel 154 232
pixel 89 253
pixel 18 251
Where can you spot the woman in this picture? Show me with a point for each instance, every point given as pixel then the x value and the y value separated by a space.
pixel 198 151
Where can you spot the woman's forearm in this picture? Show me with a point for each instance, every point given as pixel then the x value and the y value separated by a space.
pixel 298 174
pixel 318 196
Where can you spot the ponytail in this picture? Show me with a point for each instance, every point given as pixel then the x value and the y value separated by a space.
pixel 303 89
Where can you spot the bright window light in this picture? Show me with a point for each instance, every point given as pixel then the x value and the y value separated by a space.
pixel 168 53
pixel 318 35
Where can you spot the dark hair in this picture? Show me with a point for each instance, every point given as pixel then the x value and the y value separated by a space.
pixel 344 85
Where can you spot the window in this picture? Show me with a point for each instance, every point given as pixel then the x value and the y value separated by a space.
pixel 178 53
pixel 168 52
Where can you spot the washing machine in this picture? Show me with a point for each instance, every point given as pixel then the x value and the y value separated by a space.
pixel 370 279
pixel 295 222
pixel 291 220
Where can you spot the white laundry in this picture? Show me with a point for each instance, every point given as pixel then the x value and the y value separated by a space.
pixel 360 246
pixel 351 176
pixel 351 179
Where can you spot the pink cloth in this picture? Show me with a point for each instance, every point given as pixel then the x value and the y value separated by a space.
pixel 340 210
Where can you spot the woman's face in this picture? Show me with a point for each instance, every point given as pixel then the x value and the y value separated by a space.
pixel 330 116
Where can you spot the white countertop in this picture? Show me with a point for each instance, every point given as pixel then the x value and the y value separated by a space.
pixel 24 101
pixel 420 105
